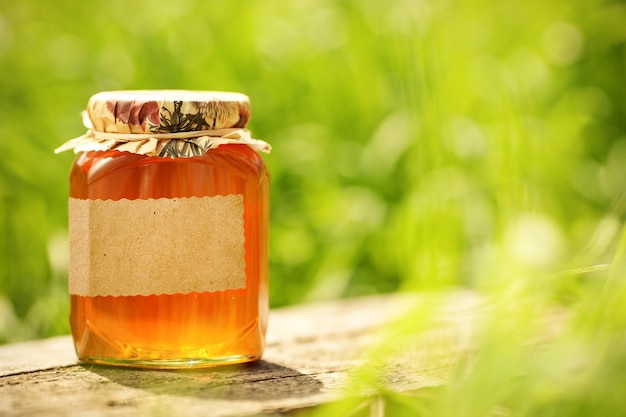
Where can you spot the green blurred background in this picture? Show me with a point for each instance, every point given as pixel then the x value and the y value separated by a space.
pixel 417 144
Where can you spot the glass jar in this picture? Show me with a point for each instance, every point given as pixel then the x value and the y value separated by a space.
pixel 168 230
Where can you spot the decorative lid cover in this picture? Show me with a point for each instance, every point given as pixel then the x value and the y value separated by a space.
pixel 165 123
pixel 167 111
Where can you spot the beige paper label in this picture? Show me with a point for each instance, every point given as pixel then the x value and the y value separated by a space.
pixel 156 246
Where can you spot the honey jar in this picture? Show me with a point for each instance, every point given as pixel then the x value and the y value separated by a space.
pixel 168 231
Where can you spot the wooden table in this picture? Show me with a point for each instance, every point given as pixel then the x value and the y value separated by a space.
pixel 312 353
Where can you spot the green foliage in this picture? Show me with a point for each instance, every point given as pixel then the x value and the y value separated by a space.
pixel 417 145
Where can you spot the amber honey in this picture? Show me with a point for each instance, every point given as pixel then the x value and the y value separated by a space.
pixel 218 322
pixel 178 329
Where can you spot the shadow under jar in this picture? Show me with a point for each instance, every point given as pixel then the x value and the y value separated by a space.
pixel 168 231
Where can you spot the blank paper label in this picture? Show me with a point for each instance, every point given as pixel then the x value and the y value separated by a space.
pixel 156 246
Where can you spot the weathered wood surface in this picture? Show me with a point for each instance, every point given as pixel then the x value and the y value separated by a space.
pixel 312 352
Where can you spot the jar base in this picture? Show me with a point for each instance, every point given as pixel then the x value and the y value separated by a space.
pixel 183 363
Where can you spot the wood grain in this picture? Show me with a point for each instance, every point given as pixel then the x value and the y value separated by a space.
pixel 312 353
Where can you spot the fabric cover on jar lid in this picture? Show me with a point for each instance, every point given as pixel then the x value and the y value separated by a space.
pixel 167 111
pixel 165 123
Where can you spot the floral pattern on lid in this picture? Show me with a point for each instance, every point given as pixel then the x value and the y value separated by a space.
pixel 167 111
pixel 165 123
